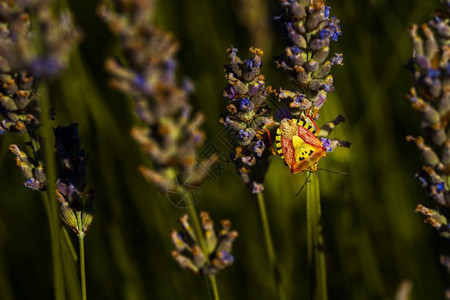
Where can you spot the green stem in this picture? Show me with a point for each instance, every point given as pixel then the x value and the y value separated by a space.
pixel 309 239
pixel 72 251
pixel 212 285
pixel 82 258
pixel 53 224
pixel 316 253
pixel 211 280
pixel 36 147
pixel 195 221
pixel 82 267
pixel 51 188
pixel 269 246
pixel 56 250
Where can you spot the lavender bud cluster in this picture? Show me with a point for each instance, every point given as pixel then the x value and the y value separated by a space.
pixel 31 169
pixel 56 36
pixel 18 101
pixel 28 56
pixel 430 96
pixel 247 116
pixel 22 63
pixel 77 205
pixel 217 253
pixel 171 135
pixel 308 29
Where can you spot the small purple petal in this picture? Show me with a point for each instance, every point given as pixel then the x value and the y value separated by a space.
pixel 259 148
pixel 440 187
pixel 257 188
pixel 320 100
pixel 326 12
pixel 327 87
pixel 226 257
pixel 326 144
pixel 245 104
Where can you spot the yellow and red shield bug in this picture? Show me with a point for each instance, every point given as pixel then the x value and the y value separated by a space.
pixel 297 143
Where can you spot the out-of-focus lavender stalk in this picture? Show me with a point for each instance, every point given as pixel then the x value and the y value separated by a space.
pixel 430 96
pixel 35 44
pixel 29 55
pixel 253 15
pixel 170 134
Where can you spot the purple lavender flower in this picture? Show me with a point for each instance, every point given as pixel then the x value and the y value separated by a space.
pixel 308 29
pixel 21 65
pixel 72 180
pixel 31 170
pixel 171 135
pixel 56 32
pixel 247 116
pixel 258 188
pixel 430 96
pixel 259 148
pixel 19 105
pixel 217 253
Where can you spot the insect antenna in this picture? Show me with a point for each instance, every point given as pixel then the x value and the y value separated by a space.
pixel 331 171
pixel 307 178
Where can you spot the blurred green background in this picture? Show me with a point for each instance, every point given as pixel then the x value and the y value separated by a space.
pixel 373 238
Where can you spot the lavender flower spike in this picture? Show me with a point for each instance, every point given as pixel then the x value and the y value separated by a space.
pixel 217 254
pixel 21 65
pixel 247 117
pixel 171 135
pixel 309 30
pixel 430 96
pixel 32 171
pixel 56 33
pixel 72 180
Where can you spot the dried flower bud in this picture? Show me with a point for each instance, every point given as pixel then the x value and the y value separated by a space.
pixel 19 109
pixel 69 217
pixel 32 171
pixel 435 219
pixel 217 253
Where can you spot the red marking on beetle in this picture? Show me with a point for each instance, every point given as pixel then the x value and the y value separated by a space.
pixel 300 148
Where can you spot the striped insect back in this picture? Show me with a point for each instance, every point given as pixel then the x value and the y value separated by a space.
pixel 298 145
